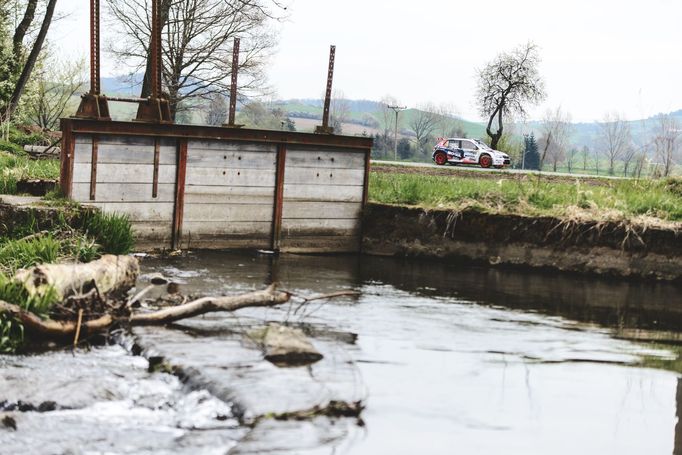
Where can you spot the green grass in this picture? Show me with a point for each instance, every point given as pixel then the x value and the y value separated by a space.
pixel 18 167
pixel 110 230
pixel 27 245
pixel 532 196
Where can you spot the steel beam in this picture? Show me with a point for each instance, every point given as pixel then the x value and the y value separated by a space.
pixel 233 85
pixel 325 128
pixel 279 197
pixel 83 126
pixel 156 108
pixel 93 105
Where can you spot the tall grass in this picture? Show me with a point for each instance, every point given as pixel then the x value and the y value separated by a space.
pixel 655 198
pixel 112 231
pixel 18 167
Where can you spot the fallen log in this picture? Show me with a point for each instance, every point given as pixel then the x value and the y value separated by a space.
pixel 111 275
pixel 56 329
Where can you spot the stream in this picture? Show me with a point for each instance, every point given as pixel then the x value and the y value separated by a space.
pixel 447 359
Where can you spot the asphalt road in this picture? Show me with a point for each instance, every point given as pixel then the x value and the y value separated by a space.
pixel 500 171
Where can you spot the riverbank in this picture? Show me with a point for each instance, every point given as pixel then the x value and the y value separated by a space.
pixel 611 248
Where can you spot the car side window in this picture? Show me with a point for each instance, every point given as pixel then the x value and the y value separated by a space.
pixel 468 145
pixel 454 144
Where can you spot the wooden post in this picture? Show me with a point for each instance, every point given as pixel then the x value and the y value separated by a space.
pixel 179 209
pixel 279 197
pixel 93 166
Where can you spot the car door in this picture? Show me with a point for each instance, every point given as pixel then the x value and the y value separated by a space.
pixel 470 150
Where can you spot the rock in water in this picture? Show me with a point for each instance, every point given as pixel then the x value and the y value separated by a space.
pixel 287 346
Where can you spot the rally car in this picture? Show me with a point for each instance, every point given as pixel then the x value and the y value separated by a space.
pixel 468 151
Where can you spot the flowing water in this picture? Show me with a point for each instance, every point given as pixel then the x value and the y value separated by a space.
pixel 446 359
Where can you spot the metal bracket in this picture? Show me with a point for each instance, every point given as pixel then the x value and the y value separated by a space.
pixel 94 107
pixel 156 110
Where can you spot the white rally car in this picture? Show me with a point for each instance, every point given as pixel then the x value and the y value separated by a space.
pixel 468 151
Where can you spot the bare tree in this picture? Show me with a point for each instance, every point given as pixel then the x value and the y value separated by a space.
pixel 56 82
pixel 217 110
pixel 571 157
pixel 585 153
pixel 386 115
pixel 449 125
pixel 339 110
pixel 616 138
pixel 197 43
pixel 667 142
pixel 506 85
pixel 423 123
pixel 555 137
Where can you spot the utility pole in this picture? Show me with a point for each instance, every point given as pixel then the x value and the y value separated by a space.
pixel 396 109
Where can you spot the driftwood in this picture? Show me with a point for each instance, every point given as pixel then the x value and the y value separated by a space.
pixel 56 329
pixel 110 275
pixel 103 281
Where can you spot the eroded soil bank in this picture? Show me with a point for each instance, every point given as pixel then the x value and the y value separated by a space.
pixel 593 247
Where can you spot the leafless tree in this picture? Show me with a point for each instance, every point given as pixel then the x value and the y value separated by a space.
pixel 197 44
pixel 339 110
pixel 423 123
pixel 667 142
pixel 56 82
pixel 387 116
pixel 217 110
pixel 585 153
pixel 616 138
pixel 449 124
pixel 506 85
pixel 571 157
pixel 555 137
pixel 640 161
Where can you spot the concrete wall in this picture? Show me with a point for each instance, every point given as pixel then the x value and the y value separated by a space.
pixel 221 193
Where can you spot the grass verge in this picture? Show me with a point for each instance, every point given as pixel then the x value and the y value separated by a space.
pixel 15 167
pixel 619 199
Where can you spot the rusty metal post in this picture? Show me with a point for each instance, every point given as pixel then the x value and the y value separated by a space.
pixel 233 84
pixel 156 108
pixel 94 48
pixel 93 104
pixel 155 50
pixel 325 128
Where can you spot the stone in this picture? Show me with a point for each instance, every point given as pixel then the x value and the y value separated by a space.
pixel 287 346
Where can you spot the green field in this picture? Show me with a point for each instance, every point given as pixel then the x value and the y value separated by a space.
pixel 624 199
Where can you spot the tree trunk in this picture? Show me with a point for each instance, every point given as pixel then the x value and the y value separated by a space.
pixel 110 275
pixel 31 61
pixel 22 28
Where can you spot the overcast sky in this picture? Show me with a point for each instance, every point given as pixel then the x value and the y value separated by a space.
pixel 598 55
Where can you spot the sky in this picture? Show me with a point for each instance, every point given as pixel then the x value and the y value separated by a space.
pixel 598 56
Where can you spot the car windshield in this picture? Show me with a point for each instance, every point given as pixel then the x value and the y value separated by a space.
pixel 482 144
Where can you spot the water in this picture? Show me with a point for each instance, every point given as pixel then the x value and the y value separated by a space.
pixel 447 359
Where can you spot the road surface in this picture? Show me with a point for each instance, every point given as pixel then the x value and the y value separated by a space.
pixel 501 171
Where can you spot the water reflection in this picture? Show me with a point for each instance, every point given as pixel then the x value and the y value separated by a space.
pixel 476 360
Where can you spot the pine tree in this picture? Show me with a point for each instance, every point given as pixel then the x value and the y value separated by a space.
pixel 531 152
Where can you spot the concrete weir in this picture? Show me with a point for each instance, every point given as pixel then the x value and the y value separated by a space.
pixel 210 187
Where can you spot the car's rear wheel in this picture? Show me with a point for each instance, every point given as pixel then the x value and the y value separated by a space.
pixel 485 161
pixel 440 158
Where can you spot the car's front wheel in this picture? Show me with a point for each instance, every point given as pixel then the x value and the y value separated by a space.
pixel 440 158
pixel 485 161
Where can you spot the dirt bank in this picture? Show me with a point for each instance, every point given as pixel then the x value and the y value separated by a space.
pixel 604 248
